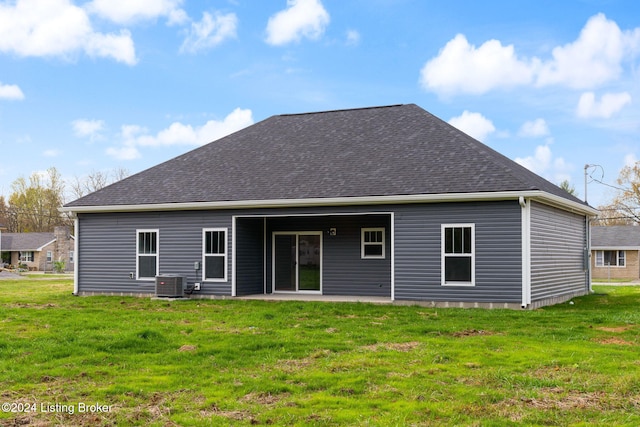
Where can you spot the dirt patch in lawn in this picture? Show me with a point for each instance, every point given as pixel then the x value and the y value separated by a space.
pixel 556 398
pixel 614 341
pixel 616 329
pixel 263 398
pixel 401 346
pixel 34 306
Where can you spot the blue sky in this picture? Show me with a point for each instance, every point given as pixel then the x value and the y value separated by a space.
pixel 104 84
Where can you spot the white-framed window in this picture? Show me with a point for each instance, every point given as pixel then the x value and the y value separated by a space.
pixel 458 254
pixel 214 254
pixel 71 255
pixel 610 258
pixel 372 243
pixel 147 260
pixel 26 256
pixel 49 256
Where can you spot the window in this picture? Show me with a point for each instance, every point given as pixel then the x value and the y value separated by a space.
pixel 71 256
pixel 610 258
pixel 49 256
pixel 147 250
pixel 458 254
pixel 372 243
pixel 215 254
pixel 26 256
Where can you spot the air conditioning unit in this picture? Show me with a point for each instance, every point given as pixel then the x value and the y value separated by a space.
pixel 170 285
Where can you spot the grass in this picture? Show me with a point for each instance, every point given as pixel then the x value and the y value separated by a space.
pixel 224 362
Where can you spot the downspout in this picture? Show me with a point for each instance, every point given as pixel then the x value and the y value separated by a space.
pixel 393 256
pixel 76 252
pixel 526 251
pixel 234 291
pixel 587 255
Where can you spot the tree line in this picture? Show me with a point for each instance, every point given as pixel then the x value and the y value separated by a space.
pixel 34 203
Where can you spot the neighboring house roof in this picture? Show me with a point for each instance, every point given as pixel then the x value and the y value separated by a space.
pixel 378 152
pixel 615 237
pixel 12 242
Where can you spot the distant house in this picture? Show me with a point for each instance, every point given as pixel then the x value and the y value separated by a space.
pixel 386 201
pixel 614 252
pixel 38 251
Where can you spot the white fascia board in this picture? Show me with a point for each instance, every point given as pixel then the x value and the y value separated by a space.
pixel 44 246
pixel 344 201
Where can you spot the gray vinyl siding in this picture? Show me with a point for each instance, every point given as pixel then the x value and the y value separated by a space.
pixel 498 251
pixel 107 249
pixel 558 244
pixel 249 256
pixel 107 245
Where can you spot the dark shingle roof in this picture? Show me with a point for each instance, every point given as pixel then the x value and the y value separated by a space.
pixel 25 241
pixel 379 151
pixel 618 236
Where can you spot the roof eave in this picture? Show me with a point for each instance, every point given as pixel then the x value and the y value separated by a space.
pixel 541 196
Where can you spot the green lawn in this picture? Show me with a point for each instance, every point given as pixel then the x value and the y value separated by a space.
pixel 204 362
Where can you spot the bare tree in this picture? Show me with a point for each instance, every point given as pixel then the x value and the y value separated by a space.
pixel 611 215
pixel 627 202
pixel 95 181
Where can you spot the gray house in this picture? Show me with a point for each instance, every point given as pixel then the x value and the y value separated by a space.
pixel 387 201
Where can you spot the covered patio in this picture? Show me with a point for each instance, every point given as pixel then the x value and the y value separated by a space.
pixel 302 255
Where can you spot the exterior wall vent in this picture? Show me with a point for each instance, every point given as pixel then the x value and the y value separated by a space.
pixel 170 285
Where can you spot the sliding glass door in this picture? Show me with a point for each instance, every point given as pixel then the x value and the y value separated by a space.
pixel 297 259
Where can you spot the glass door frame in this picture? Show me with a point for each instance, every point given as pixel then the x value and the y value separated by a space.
pixel 297 235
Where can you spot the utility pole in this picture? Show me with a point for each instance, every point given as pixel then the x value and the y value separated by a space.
pixel 587 166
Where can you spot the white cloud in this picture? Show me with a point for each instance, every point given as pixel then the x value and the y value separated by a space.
pixel 610 103
pixel 58 28
pixel 127 11
pixel 473 124
pixel 120 47
pixel 353 38
pixel 594 58
pixel 11 92
pixel 302 18
pixel 544 164
pixel 534 129
pixel 87 128
pixel 210 32
pixel 177 133
pixel 462 68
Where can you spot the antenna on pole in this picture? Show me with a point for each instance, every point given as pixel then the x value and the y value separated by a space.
pixel 586 167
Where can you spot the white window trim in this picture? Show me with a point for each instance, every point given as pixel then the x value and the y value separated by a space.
pixel 363 244
pixel 157 254
pixel 27 256
pixel 49 256
pixel 600 258
pixel 472 255
pixel 224 255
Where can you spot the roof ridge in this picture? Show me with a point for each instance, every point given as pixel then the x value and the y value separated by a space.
pixel 342 109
